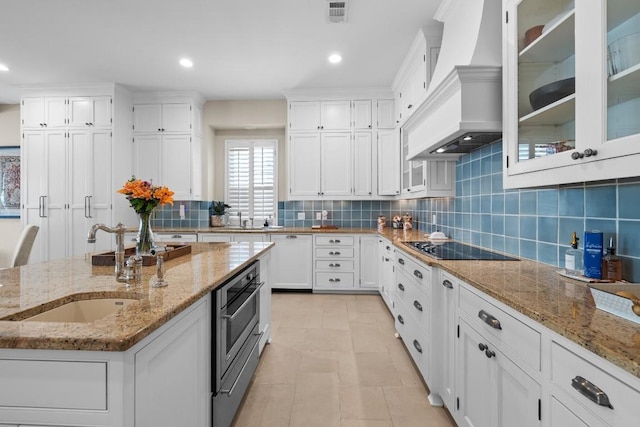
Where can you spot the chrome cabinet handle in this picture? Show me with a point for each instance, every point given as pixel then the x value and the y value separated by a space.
pixel 401 287
pixel 417 305
pixel 291 236
pixel 400 319
pixel 447 284
pixel 244 366
pixel 335 241
pixel 87 207
pixel 334 253
pixel 332 280
pixel 40 207
pixel 177 236
pixel 400 261
pixel 335 265
pixel 489 319
pixel 43 209
pixel 417 345
pixel 591 391
pixel 417 274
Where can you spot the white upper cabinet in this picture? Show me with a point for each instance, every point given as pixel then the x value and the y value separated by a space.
pixel 319 115
pixel 362 119
pixel 165 117
pixel 388 163
pixel 386 114
pixel 90 112
pixel 363 164
pixel 44 112
pixel 587 133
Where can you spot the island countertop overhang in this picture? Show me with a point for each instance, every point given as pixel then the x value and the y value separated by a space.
pixel 36 286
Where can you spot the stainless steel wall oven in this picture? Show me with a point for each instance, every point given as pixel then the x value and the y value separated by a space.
pixel 236 330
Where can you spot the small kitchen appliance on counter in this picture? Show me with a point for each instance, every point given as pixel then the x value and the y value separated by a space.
pixel 456 251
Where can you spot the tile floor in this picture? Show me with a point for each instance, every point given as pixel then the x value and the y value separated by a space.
pixel 334 362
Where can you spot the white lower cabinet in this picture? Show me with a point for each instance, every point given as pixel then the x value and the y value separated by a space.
pixel 445 293
pixel 232 237
pixel 369 262
pixel 335 258
pixel 492 391
pixel 386 272
pixel 172 374
pixel 291 261
pixel 215 238
pixel 164 380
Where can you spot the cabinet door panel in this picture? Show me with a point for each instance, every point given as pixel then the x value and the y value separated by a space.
pixel 79 191
pixel 147 118
pixel 336 164
pixel 32 111
pixel 55 111
pixel 147 157
pixel 388 164
pixel 386 114
pixel 362 114
pixel 80 111
pixel 517 395
pixel 304 115
pixel 176 165
pixel 291 261
pixel 368 262
pixel 336 115
pixel 101 115
pixel 304 163
pixel 176 118
pixel 363 164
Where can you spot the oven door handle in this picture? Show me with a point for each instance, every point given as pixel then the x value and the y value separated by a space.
pixel 253 294
pixel 244 366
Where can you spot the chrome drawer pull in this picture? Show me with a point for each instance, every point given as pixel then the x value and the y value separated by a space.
pixel 447 284
pixel 335 265
pixel 489 319
pixel 176 236
pixel 591 391
pixel 417 274
pixel 417 305
pixel 334 241
pixel 401 287
pixel 292 237
pixel 334 280
pixel 400 319
pixel 334 253
pixel 417 345
pixel 400 261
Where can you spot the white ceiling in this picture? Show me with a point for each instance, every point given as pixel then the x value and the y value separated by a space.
pixel 242 49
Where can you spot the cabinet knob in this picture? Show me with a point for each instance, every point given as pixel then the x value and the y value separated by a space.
pixel 589 152
pixel 482 347
pixel 409 106
pixel 576 155
pixel 159 130
pixel 417 345
pixel 489 353
pixel 400 319
pixel 401 287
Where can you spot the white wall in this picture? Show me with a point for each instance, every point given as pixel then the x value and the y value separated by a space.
pixel 258 119
pixel 10 228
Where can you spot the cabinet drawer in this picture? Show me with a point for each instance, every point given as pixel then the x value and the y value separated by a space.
pixel 420 272
pixel 334 252
pixel 417 302
pixel 27 381
pixel 340 266
pixel 335 240
pixel 414 337
pixel 567 365
pixel 511 335
pixel 211 238
pixel 334 280
pixel 176 237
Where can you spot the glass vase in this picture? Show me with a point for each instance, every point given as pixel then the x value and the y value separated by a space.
pixel 145 241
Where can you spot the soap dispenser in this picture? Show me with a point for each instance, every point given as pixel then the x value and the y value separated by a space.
pixel 611 264
pixel 573 257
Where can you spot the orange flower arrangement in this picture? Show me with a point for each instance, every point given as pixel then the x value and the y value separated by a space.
pixel 144 197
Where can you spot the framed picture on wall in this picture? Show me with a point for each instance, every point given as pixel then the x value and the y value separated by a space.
pixel 9 182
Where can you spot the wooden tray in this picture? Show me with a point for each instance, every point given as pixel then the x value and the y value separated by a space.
pixel 109 258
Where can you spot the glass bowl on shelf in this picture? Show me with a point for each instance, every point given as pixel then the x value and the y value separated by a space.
pixel 623 53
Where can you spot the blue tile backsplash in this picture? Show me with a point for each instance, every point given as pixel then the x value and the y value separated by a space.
pixel 530 223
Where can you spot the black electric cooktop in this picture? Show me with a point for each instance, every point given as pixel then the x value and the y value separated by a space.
pixel 456 251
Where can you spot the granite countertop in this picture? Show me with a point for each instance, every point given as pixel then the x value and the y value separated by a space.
pixel 534 289
pixel 277 230
pixel 39 287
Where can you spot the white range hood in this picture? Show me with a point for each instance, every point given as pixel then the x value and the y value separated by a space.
pixel 463 108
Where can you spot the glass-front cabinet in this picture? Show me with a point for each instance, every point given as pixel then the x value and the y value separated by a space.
pixel 571 92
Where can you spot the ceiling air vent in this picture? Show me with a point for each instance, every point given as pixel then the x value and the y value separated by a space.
pixel 336 11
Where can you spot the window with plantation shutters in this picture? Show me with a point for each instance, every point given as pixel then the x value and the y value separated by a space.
pixel 251 171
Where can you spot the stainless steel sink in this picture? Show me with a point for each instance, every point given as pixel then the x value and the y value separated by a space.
pixel 83 311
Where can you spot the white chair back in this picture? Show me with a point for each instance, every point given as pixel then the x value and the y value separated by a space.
pixel 23 249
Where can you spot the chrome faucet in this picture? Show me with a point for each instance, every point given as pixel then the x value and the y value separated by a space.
pixel 118 230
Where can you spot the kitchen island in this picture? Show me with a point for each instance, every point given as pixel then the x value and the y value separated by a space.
pixel 149 361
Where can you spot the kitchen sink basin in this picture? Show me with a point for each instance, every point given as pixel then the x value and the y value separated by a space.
pixel 83 311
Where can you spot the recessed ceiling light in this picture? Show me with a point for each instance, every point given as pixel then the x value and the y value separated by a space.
pixel 335 58
pixel 187 63
pixel 467 138
pixel 4 67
